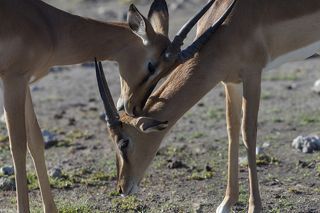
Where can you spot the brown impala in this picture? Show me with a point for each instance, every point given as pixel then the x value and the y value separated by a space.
pixel 35 36
pixel 258 35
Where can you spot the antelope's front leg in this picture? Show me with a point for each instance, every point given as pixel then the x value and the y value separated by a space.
pixel 36 149
pixel 233 116
pixel 251 100
pixel 14 107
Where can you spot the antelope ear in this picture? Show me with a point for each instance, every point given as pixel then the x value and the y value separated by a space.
pixel 159 17
pixel 140 25
pixel 148 125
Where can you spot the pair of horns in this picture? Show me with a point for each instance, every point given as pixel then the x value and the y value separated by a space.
pixel 174 52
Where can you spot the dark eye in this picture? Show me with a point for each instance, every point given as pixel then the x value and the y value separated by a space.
pixel 151 68
pixel 123 144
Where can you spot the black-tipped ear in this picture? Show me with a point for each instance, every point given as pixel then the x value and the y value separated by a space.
pixel 159 17
pixel 148 125
pixel 140 25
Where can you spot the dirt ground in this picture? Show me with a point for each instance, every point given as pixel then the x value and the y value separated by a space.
pixel 67 103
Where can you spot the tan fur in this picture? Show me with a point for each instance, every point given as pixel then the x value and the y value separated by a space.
pixel 35 36
pixel 257 33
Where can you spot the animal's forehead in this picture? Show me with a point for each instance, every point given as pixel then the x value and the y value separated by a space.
pixel 126 119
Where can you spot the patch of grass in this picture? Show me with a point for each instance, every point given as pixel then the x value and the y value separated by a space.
pixel 197 135
pixel 159 163
pixel 172 151
pixel 76 208
pixel 65 182
pixel 4 138
pixel 4 144
pixel 282 77
pixel 202 175
pixel 215 113
pixel 169 207
pixel 295 190
pixel 114 194
pixel 265 95
pixel 98 178
pixel 32 181
pixel 243 197
pixel 284 205
pixel 128 204
pixel 72 136
pixel 264 160
pixel 309 119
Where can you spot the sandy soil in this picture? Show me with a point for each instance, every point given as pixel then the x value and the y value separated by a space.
pixel 67 103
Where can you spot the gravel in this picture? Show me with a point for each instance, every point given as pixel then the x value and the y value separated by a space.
pixel 7 184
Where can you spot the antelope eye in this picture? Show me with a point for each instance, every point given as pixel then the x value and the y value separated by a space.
pixel 123 144
pixel 151 68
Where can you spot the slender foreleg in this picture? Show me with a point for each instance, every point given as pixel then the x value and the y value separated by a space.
pixel 251 101
pixel 14 107
pixel 233 116
pixel 36 149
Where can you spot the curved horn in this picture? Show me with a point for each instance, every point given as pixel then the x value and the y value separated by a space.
pixel 112 116
pixel 186 28
pixel 189 52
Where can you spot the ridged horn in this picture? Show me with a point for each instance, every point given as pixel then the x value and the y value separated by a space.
pixel 190 51
pixel 112 116
pixel 177 42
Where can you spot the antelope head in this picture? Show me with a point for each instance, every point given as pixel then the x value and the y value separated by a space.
pixel 165 58
pixel 131 138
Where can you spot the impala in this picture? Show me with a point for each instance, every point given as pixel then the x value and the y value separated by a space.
pixel 258 35
pixel 35 36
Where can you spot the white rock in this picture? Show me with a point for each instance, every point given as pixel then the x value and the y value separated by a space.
pixel 307 144
pixel 316 86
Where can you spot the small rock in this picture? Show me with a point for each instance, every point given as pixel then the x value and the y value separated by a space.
pixel 307 144
pixel 7 170
pixel 200 104
pixel 208 168
pixel 316 87
pixel 7 184
pixel 50 139
pixel 56 173
pixel 92 100
pixel 291 87
pixel 259 150
pixel 176 164
pixel 265 145
pixel 72 122
pixel 59 115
